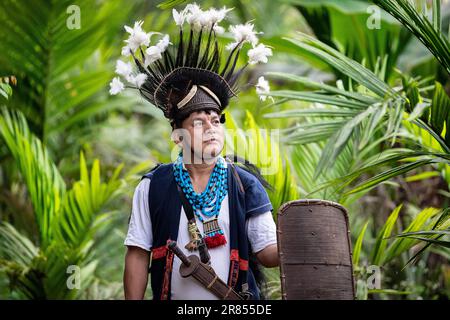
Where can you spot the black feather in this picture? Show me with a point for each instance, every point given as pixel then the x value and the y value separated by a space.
pixel 251 168
pixel 195 60
pixel 230 73
pixel 180 53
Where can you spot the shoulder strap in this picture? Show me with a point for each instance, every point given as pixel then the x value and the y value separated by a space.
pixel 189 211
pixel 186 205
pixel 236 174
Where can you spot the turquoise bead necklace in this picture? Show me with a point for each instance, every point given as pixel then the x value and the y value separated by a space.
pixel 207 203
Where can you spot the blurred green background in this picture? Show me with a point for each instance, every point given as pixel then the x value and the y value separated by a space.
pixel 361 99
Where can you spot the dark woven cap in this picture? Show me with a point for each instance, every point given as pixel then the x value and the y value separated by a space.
pixel 202 100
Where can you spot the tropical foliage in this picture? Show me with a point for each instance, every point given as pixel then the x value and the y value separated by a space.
pixel 360 116
pixel 67 220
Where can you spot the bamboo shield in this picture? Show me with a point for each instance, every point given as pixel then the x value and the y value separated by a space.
pixel 315 251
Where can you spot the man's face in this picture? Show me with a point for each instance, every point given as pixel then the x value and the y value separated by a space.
pixel 205 134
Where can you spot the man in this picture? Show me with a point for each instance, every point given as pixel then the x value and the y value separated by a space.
pixel 201 198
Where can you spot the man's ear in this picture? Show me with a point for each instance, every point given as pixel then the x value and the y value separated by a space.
pixel 178 140
pixel 176 137
pixel 222 118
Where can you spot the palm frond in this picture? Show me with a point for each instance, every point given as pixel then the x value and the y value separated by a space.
pixel 5 90
pixel 399 246
pixel 428 32
pixel 258 146
pixel 80 217
pixel 51 61
pixel 15 246
pixel 67 221
pixel 358 245
pixel 45 184
pixel 367 108
pixel 344 26
pixel 378 251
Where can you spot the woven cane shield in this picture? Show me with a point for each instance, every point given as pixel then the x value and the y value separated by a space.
pixel 315 251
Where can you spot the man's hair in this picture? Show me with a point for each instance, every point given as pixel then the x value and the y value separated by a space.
pixel 177 123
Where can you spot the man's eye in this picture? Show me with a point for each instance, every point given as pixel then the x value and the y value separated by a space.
pixel 198 123
pixel 216 122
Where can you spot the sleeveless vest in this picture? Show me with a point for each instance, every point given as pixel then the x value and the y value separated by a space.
pixel 165 209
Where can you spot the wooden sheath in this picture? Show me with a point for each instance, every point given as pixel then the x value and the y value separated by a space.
pixel 205 274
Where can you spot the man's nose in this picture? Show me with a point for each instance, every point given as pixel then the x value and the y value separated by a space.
pixel 208 125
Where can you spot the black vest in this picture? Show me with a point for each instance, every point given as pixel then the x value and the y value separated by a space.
pixel 165 209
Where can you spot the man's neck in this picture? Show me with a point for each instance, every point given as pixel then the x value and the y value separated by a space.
pixel 199 171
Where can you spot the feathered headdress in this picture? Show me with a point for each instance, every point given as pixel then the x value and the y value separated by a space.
pixel 192 75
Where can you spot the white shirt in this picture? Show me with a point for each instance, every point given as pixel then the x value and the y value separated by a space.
pixel 261 232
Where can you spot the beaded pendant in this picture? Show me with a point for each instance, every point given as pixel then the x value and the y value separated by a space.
pixel 213 233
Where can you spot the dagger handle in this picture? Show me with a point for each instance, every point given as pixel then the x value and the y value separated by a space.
pixel 177 251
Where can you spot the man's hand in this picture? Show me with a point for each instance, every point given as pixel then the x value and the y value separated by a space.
pixel 268 256
pixel 135 276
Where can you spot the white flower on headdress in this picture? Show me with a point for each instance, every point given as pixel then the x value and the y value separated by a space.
pixel 198 18
pixel 194 15
pixel 179 17
pixel 116 86
pixel 137 36
pixel 163 43
pixel 231 46
pixel 259 54
pixel 204 20
pixel 152 54
pixel 137 80
pixel 212 17
pixel 216 16
pixel 123 69
pixel 218 29
pixel 126 51
pixel 243 33
pixel 263 89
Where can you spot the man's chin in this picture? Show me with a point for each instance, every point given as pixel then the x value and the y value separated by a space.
pixel 211 153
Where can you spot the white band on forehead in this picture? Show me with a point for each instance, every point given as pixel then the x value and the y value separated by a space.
pixel 188 98
pixel 192 93
pixel 212 95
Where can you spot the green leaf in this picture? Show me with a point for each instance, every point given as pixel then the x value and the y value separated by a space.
pixel 338 141
pixel 378 252
pixel 5 90
pixel 66 71
pixel 347 66
pixel 388 174
pixel 432 241
pixel 358 245
pixel 258 146
pixel 427 32
pixel 389 291
pixel 422 176
pixel 312 112
pixel 365 99
pixel 45 184
pixel 440 107
pixel 398 246
pixel 168 4
pixel 15 246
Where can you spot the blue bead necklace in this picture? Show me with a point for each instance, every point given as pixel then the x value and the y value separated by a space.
pixel 206 204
